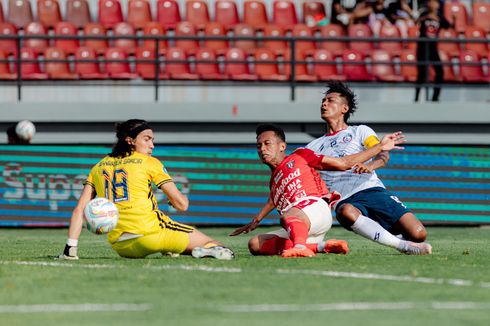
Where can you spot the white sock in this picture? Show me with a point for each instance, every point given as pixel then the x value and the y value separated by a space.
pixel 371 230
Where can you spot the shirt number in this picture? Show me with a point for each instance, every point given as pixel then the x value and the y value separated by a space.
pixel 116 185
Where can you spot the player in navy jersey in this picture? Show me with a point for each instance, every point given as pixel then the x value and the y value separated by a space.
pixel 366 207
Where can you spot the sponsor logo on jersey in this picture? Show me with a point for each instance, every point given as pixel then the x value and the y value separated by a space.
pixel 333 142
pixel 347 139
pixel 290 164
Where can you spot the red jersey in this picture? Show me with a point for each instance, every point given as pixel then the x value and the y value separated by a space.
pixel 296 178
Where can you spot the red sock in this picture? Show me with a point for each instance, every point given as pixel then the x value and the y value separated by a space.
pixel 276 245
pixel 297 230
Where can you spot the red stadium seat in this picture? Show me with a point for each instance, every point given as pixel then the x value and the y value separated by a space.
pixel 98 45
pixel 6 45
pixel 360 31
pixel 179 70
pixel 57 70
pixel 300 72
pixel 139 13
pixel 20 13
pixel 119 69
pixel 186 29
pixel 324 67
pixel 154 29
pixel 355 67
pixel 336 48
pixel 110 13
pixel 5 73
pixel 313 11
pixel 207 66
pixel 451 48
pixel 126 44
pixel 473 32
pixel 306 47
pixel 30 70
pixel 449 75
pixel 265 69
pixel 236 65
pixel 471 68
pixel 78 12
pixel 384 70
pixel 2 17
pixel 390 31
pixel 455 12
pixel 88 70
pixel 215 29
pixel 197 13
pixel 279 46
pixel 284 14
pixel 408 65
pixel 69 46
pixel 147 70
pixel 226 13
pixel 255 14
pixel 168 13
pixel 481 15
pixel 413 32
pixel 245 30
pixel 48 13
pixel 36 29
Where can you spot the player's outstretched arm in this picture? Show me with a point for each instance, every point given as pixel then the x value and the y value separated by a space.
pixel 177 199
pixel 268 207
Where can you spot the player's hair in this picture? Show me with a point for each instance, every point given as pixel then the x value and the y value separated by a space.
pixel 13 138
pixel 130 128
pixel 271 127
pixel 345 92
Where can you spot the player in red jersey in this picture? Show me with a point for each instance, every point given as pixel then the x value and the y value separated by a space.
pixel 300 195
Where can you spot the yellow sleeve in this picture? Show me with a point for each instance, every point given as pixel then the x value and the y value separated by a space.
pixel 90 179
pixel 158 173
pixel 371 141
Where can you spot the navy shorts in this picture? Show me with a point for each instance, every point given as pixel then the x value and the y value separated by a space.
pixel 378 204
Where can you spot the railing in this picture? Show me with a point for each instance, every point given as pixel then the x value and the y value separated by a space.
pixel 292 83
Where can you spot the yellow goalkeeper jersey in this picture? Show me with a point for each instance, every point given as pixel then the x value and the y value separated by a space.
pixel 128 183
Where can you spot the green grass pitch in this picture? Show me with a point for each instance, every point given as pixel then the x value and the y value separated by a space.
pixel 372 285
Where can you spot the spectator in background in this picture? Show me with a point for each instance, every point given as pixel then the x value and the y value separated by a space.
pixel 346 12
pixel 378 16
pixel 401 14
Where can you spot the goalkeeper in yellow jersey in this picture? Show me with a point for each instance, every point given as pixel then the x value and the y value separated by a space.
pixel 125 177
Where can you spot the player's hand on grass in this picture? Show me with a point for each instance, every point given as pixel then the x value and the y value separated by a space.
pixel 246 228
pixel 361 168
pixel 391 141
pixel 69 253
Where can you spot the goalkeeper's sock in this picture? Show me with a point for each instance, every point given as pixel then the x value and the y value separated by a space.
pixel 371 230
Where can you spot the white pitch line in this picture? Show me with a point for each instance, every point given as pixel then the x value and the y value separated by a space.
pixel 354 306
pixel 84 307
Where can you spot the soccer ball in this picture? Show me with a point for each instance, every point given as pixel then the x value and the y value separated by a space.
pixel 25 130
pixel 101 215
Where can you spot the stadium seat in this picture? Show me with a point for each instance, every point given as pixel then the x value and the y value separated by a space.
pixel 5 73
pixel 69 46
pixel 384 70
pixel 455 12
pixel 154 29
pixel 303 47
pixel 36 29
pixel 20 13
pixel 265 69
pixel 168 13
pixel 207 66
pixel 57 70
pixel 6 45
pixel 279 46
pixel 301 70
pixel 215 29
pixel 126 44
pixel 110 13
pixel 119 69
pixel 408 65
pixel 226 13
pixel 451 48
pixel 324 67
pixel 473 32
pixel 245 30
pixel 139 13
pixel 354 66
pixel 360 31
pixel 48 13
pixel 313 12
pixel 180 69
pixel 336 48
pixel 447 66
pixel 197 13
pixel 78 12
pixel 481 15
pixel 30 70
pixel 186 28
pixel 413 32
pixel 98 45
pixel 236 65
pixel 471 68
pixel 390 31
pixel 284 14
pixel 2 17
pixel 88 70
pixel 255 14
pixel 147 70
